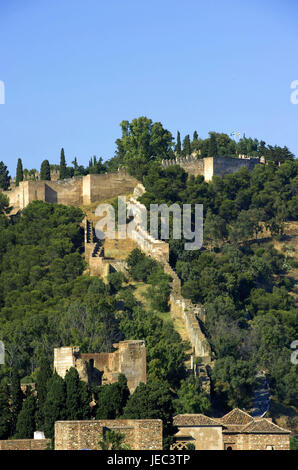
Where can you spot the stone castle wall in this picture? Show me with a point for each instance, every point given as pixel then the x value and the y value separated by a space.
pixel 104 368
pixel 25 444
pixel 212 166
pixel 73 191
pixel 190 313
pixel 140 434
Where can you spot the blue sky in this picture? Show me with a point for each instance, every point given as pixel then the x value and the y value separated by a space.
pixel 73 70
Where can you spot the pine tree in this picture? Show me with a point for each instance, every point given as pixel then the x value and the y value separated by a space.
pixel 212 148
pixel 5 413
pixel 25 426
pixel 4 177
pixel 54 407
pixel 16 400
pixel 19 176
pixel 178 145
pixel 45 171
pixel 186 146
pixel 63 168
pixel 42 377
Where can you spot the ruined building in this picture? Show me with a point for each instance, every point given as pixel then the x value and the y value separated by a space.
pixel 129 359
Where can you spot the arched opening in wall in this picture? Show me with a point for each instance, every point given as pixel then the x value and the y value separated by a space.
pixel 229 448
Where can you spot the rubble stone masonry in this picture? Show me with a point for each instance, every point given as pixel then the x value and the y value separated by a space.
pixel 140 434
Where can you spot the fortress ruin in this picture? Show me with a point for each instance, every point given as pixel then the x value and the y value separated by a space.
pixel 129 359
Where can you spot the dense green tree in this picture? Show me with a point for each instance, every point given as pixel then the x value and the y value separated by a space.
pixel 186 146
pixel 63 167
pixel 16 399
pixel 19 175
pixel 142 141
pixel 191 399
pixel 151 400
pixel 215 229
pixel 77 397
pixel 112 398
pixel 233 382
pixel 4 204
pixel 45 171
pixel 25 426
pixel 55 404
pixel 5 412
pixel 178 145
pixel 4 177
pixel 212 149
pixel 43 375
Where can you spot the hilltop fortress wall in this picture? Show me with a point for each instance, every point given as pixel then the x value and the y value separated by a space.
pixel 73 191
pixel 209 167
pixel 83 190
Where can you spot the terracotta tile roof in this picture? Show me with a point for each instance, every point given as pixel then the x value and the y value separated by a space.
pixel 194 420
pixel 236 421
pixel 263 425
pixel 236 416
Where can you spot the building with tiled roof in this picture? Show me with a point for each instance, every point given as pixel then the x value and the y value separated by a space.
pixel 236 430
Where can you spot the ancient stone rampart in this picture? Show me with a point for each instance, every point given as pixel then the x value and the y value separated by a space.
pixel 213 166
pixel 76 191
pixel 25 444
pixel 191 314
pixel 140 434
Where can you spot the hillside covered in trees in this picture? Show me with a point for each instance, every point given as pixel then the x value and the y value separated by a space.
pixel 48 300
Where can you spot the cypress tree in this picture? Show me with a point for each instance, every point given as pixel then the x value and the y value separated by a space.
pixel 42 377
pixel 63 168
pixel 16 400
pixel 54 407
pixel 178 145
pixel 195 135
pixel 19 176
pixel 45 171
pixel 25 426
pixel 186 146
pixel 72 381
pixel 77 396
pixel 4 177
pixel 5 413
pixel 212 149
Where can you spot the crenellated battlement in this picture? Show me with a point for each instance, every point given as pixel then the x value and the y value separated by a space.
pixel 212 166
